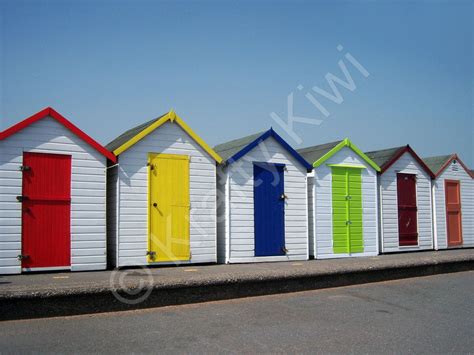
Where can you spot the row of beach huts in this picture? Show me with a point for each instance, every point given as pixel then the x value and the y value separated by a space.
pixel 158 194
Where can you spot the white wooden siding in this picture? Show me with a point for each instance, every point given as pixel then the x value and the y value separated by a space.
pixel 133 201
pixel 455 172
pixel 323 206
pixel 241 224
pixel 88 194
pixel 389 205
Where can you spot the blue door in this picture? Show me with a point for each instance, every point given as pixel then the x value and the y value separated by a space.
pixel 269 209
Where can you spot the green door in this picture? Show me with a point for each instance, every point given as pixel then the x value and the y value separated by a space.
pixel 347 210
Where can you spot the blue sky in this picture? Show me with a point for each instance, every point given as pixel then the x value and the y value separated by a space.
pixel 225 66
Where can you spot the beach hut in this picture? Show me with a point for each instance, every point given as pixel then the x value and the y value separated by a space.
pixel 52 196
pixel 262 211
pixel 453 202
pixel 162 196
pixel 405 206
pixel 343 201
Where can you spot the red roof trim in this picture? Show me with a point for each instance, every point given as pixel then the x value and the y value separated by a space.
pixel 61 119
pixel 402 151
pixel 445 165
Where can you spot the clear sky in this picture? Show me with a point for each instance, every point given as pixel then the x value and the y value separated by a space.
pixel 225 66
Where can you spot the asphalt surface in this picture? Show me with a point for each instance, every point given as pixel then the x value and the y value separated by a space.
pixel 433 314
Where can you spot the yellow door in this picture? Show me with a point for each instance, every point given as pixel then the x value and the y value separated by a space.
pixel 168 209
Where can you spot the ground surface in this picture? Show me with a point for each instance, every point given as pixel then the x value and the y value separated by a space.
pixel 85 282
pixel 432 314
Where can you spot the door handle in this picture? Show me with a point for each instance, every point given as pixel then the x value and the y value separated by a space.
pixel 155 204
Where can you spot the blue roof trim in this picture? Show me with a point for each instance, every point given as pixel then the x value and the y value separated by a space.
pixel 256 142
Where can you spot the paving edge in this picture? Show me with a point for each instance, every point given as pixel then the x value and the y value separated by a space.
pixel 104 300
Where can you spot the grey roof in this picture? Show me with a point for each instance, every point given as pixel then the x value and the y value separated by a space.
pixel 436 163
pixel 132 132
pixel 228 149
pixel 383 156
pixel 312 154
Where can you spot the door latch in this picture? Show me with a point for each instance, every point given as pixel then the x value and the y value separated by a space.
pixel 152 167
pixel 348 197
pixel 155 204
pixel 22 256
pixel 25 168
pixel 348 223
pixel 21 198
pixel 283 197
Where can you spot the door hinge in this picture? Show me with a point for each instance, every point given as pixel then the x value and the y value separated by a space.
pixel 25 168
pixel 22 256
pixel 151 254
pixel 152 166
pixel 21 198
pixel 284 250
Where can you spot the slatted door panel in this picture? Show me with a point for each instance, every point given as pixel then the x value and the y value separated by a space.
pixel 347 220
pixel 169 208
pixel 46 210
pixel 453 212
pixel 269 209
pixel 340 210
pixel 407 210
pixel 356 243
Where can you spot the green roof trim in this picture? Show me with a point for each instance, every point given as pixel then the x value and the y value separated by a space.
pixel 344 143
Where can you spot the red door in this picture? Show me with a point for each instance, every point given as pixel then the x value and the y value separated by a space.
pixel 453 212
pixel 407 210
pixel 46 215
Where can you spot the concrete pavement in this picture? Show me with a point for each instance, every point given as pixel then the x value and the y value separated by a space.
pixel 55 294
pixel 420 315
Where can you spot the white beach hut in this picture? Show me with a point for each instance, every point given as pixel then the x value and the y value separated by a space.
pixel 162 196
pixel 52 197
pixel 343 201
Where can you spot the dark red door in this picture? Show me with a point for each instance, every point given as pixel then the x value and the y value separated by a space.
pixel 453 212
pixel 407 210
pixel 46 240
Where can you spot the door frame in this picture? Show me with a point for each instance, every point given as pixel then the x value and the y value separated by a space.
pixel 461 241
pixel 150 157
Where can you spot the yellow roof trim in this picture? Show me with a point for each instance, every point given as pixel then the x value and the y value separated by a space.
pixel 172 117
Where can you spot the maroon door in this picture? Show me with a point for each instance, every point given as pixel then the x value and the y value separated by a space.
pixel 453 212
pixel 46 215
pixel 407 210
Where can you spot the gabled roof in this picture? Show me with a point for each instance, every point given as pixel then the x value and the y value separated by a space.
pixel 50 112
pixel 235 149
pixel 135 134
pixel 439 163
pixel 386 157
pixel 318 154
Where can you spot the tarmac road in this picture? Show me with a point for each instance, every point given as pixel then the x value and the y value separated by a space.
pixel 432 314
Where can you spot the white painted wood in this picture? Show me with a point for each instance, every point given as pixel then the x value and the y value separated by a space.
pixel 406 164
pixel 322 204
pixel 454 172
pixel 132 200
pixel 237 232
pixel 88 194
